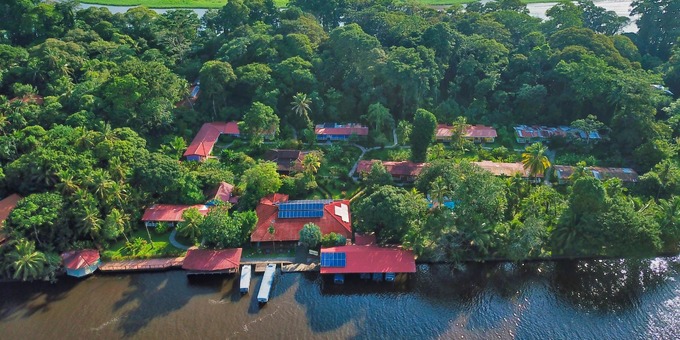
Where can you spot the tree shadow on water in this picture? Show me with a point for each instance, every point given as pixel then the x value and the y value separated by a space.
pixel 33 297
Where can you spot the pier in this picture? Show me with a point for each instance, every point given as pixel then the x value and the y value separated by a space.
pixel 141 265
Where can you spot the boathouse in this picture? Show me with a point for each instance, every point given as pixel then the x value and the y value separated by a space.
pixel 207 261
pixel 79 263
pixel 288 218
pixel 6 206
pixel 169 213
pixel 202 145
pixel 366 260
pixel 339 132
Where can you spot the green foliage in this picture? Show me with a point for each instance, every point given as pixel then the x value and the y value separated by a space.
pixel 257 182
pixel 310 235
pixel 191 226
pixel 424 125
pixel 222 229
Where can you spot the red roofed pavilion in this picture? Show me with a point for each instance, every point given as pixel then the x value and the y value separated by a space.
pixel 476 133
pixel 6 206
pixel 366 259
pixel 81 263
pixel 333 131
pixel 329 215
pixel 202 145
pixel 212 261
pixel 170 213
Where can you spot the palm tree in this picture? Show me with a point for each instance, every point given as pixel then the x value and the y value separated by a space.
pixel 311 163
pixel 300 106
pixel 28 263
pixel 380 116
pixel 190 227
pixel 438 192
pixel 67 183
pixel 535 159
pixel 175 148
pixel 116 222
pixel 460 127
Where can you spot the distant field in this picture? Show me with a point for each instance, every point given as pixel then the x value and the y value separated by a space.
pixel 220 3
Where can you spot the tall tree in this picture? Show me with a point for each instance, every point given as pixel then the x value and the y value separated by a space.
pixel 28 264
pixel 216 77
pixel 190 226
pixel 259 121
pixel 310 235
pixel 535 160
pixel 300 105
pixel 658 26
pixel 257 182
pixel 424 126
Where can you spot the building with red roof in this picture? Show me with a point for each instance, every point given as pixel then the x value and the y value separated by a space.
pixel 339 132
pixel 6 206
pixel 169 213
pixel 365 259
pixel 288 218
pixel 286 160
pixel 475 133
pixel 202 145
pixel 207 261
pixel 626 175
pixel 81 263
pixel 29 99
pixel 224 193
pixel 401 171
pixel 506 169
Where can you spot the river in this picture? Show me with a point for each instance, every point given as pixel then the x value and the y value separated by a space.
pixel 621 7
pixel 616 299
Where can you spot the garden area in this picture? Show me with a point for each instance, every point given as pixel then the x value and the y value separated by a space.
pixel 139 247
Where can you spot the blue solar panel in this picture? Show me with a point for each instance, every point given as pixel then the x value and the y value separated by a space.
pixel 333 260
pixel 300 206
pixel 300 213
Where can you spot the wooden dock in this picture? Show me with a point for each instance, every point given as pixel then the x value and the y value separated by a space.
pixel 141 265
pixel 300 267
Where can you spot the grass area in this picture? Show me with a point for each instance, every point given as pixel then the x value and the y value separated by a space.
pixel 221 3
pixel 389 154
pixel 161 247
pixel 267 251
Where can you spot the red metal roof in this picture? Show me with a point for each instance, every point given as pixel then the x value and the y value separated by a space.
pixel 504 169
pixel 206 137
pixel 6 206
pixel 212 260
pixel 223 192
pixel 78 259
pixel 30 98
pixel 286 160
pixel 472 131
pixel 341 130
pixel 288 229
pixel 170 212
pixel 371 259
pixel 401 168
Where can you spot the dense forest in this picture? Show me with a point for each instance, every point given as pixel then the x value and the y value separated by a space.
pixel 90 133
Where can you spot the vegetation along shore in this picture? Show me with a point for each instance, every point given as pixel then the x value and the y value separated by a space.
pixel 459 135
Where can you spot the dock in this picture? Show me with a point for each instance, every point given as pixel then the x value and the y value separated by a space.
pixel 141 265
pixel 286 266
pixel 267 281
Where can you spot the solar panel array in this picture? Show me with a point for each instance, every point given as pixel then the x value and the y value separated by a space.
pixel 333 260
pixel 302 209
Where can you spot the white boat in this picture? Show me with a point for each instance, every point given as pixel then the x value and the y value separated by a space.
pixel 245 278
pixel 267 281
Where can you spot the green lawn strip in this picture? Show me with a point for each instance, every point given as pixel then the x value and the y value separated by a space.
pixel 261 253
pixel 161 247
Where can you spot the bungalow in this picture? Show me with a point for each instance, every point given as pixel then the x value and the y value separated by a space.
pixel 224 193
pixel 366 260
pixel 6 206
pixel 475 133
pixel 334 132
pixel 202 145
pixel 189 101
pixel 169 213
pixel 79 263
pixel 29 99
pixel 287 161
pixel 626 175
pixel 288 218
pixel 207 261
pixel 401 171
pixel 507 169
pixel 531 134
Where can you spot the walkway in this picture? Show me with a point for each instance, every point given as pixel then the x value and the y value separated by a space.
pixel 365 150
pixel 174 242
pixel 141 265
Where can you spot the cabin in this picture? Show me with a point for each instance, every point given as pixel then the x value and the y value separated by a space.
pixel 626 175
pixel 203 143
pixel 79 263
pixel 508 170
pixel 474 133
pixel 29 99
pixel 169 213
pixel 208 261
pixel 224 192
pixel 287 161
pixel 401 171
pixel 339 132
pixel 367 261
pixel 531 134
pixel 6 206
pixel 288 218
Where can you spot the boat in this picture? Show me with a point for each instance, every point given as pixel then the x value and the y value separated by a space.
pixel 245 278
pixel 389 277
pixel 267 281
pixel 339 279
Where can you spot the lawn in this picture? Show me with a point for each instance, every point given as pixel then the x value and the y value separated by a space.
pixel 266 251
pixel 161 247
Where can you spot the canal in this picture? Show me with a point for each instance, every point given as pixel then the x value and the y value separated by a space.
pixel 617 299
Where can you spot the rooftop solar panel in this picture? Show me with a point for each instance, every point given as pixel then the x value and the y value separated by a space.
pixel 333 260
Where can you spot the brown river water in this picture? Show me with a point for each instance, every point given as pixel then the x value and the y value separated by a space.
pixel 598 299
